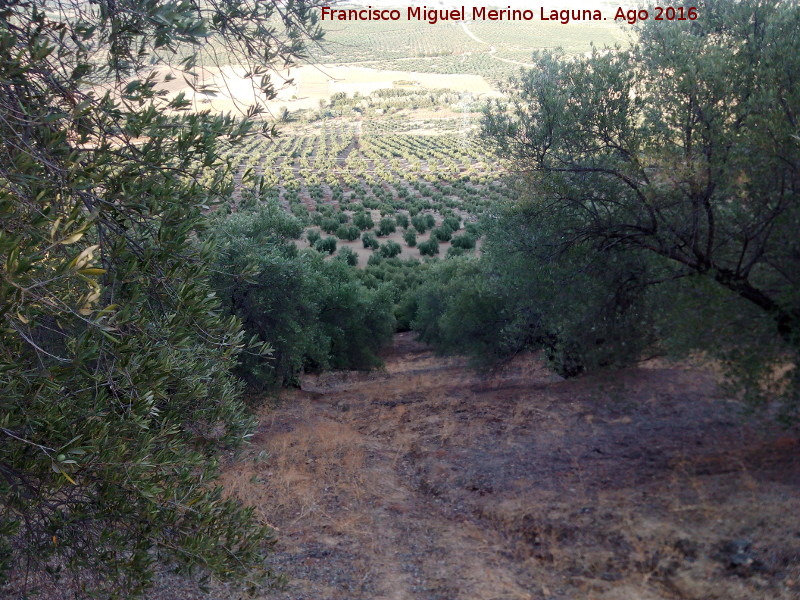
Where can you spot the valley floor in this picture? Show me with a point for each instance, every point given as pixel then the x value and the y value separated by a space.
pixel 430 481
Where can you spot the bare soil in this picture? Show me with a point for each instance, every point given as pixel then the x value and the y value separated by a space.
pixel 428 480
pixel 303 87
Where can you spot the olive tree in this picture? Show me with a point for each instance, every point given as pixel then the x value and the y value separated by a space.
pixel 115 392
pixel 682 148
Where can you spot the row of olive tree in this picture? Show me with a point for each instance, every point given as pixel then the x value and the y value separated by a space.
pixel 313 313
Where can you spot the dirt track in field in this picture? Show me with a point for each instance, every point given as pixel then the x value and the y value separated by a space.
pixel 430 481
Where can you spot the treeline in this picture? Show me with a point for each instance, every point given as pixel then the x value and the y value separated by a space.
pixel 313 313
pixel 388 101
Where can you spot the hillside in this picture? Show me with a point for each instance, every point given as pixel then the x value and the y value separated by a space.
pixel 430 481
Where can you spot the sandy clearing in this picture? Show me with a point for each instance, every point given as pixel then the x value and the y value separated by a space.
pixel 304 87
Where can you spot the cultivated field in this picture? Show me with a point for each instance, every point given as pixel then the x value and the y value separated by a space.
pixel 385 126
pixel 431 481
pixel 485 48
pixel 389 177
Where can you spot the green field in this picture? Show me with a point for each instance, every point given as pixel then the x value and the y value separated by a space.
pixel 447 48
pixel 328 173
pixel 399 153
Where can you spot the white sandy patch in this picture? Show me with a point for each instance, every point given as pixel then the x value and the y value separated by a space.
pixel 304 87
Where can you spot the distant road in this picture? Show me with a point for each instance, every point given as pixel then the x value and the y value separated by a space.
pixel 492 49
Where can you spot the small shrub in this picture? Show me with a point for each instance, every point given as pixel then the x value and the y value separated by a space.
pixel 390 249
pixel 312 235
pixel 363 221
pixel 455 251
pixel 348 255
pixel 386 226
pixel 473 229
pixel 370 241
pixel 420 223
pixel 327 244
pixel 347 232
pixel 429 248
pixel 453 223
pixel 464 241
pixel 299 210
pixel 443 234
pixel 329 225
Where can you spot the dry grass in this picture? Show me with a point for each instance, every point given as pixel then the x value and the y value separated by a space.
pixel 297 473
pixel 430 481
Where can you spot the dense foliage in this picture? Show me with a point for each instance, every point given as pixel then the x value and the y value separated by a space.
pixel 115 391
pixel 585 310
pixel 666 176
pixel 313 313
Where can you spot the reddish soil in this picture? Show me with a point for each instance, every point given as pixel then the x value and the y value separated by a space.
pixel 430 481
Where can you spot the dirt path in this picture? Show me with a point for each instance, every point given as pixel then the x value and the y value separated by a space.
pixel 492 49
pixel 427 481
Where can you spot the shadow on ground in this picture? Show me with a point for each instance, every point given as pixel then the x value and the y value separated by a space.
pixel 430 481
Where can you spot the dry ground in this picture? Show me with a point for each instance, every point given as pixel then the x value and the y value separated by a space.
pixel 303 87
pixel 429 481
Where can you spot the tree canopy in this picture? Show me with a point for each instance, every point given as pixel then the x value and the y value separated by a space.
pixel 680 154
pixel 115 388
pixel 314 314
